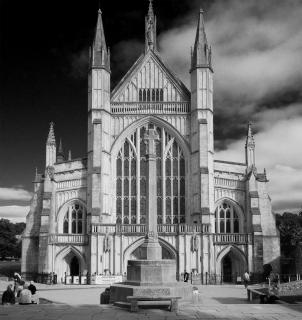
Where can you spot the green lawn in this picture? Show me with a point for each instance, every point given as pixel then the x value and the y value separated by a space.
pixel 7 268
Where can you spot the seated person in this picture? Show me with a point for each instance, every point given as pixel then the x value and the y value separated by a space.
pixel 25 296
pixel 32 288
pixel 8 296
pixel 34 296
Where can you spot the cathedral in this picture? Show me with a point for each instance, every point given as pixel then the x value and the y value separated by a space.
pixel 88 216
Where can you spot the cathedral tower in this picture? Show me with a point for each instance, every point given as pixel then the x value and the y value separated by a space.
pixel 98 123
pixel 202 126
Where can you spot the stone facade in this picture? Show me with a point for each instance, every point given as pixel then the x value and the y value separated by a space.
pixel 89 215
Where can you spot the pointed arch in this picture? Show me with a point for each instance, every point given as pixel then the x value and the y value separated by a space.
pixel 234 223
pixel 136 244
pixel 71 249
pixel 130 172
pixel 237 254
pixel 63 260
pixel 158 122
pixel 61 220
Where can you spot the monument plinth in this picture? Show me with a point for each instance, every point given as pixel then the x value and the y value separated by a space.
pixel 150 276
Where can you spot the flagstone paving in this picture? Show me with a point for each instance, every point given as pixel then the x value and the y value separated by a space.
pixel 214 302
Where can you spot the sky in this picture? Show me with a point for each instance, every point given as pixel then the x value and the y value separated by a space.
pixel 257 54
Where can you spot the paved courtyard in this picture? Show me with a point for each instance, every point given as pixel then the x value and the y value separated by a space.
pixel 82 302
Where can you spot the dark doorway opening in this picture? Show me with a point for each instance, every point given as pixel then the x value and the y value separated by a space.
pixel 74 267
pixel 227 269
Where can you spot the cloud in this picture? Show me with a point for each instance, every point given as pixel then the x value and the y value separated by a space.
pixel 14 213
pixel 15 194
pixel 256 46
pixel 256 49
pixel 278 150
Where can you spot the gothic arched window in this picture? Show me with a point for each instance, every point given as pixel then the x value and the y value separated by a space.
pixel 227 219
pixel 148 95
pixel 131 175
pixel 74 219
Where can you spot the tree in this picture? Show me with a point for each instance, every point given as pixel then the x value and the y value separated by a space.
pixel 9 245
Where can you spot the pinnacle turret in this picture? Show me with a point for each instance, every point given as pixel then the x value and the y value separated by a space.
pixel 60 154
pixel 51 147
pixel 250 142
pixel 100 55
pixel 150 29
pixel 250 147
pixel 51 140
pixel 201 54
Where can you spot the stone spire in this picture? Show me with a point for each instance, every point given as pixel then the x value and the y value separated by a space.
pixel 250 146
pixel 60 154
pixel 202 54
pixel 150 29
pixel 100 55
pixel 51 140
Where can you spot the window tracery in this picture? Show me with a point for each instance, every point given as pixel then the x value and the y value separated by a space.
pixel 227 219
pixel 131 175
pixel 74 219
pixel 151 95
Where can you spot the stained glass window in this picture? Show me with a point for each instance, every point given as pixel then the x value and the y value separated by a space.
pixel 227 219
pixel 131 175
pixel 74 219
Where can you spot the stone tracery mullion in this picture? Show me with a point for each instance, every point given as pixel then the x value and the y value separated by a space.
pixel 138 175
pixel 122 178
pixel 163 171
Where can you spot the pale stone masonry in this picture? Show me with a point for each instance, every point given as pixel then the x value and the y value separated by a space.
pixel 89 215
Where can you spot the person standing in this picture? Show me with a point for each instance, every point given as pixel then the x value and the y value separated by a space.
pixel 246 279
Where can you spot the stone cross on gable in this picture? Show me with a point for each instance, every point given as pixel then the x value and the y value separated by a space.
pixel 151 137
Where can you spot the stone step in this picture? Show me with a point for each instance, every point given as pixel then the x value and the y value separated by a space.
pixel 127 305
pixel 122 304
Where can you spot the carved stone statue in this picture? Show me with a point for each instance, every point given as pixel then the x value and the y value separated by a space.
pixel 194 243
pixel 150 34
pixel 107 243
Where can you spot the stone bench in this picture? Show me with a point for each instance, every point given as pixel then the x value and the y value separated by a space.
pixel 172 302
pixel 253 293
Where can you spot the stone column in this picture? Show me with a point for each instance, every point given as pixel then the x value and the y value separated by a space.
pixel 151 244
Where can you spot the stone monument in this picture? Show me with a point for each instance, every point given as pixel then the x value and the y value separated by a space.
pixel 151 275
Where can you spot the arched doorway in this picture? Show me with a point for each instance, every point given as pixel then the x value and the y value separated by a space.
pixel 74 266
pixel 231 264
pixel 227 269
pixel 69 261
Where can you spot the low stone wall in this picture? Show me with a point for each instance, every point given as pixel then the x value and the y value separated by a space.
pixel 293 288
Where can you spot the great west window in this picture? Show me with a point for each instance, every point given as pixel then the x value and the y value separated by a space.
pixel 131 173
